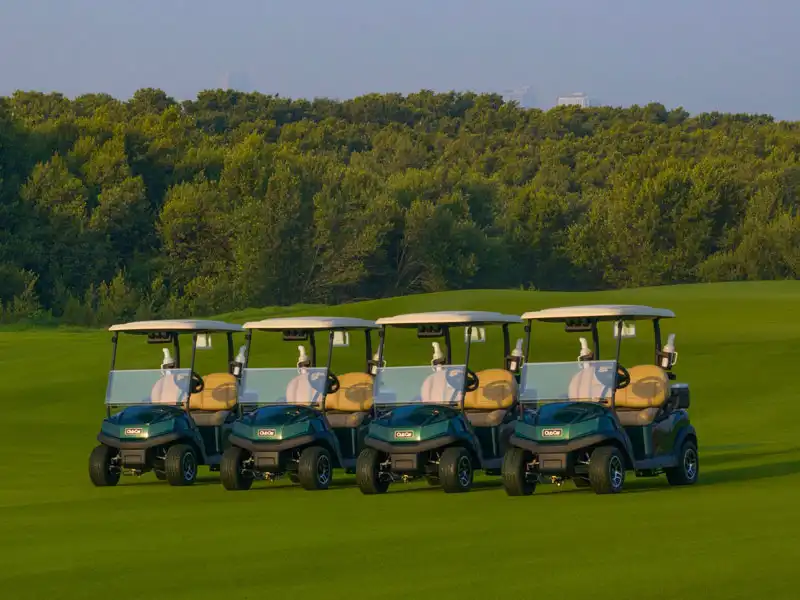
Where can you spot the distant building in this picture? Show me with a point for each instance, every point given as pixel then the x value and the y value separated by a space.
pixel 576 99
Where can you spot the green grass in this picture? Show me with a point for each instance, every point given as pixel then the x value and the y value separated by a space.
pixel 734 535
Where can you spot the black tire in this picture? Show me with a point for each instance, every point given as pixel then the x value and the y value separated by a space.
pixel 688 468
pixel 230 470
pixel 180 465
pixel 606 470
pixel 581 482
pixel 455 470
pixel 513 472
pixel 102 472
pixel 368 472
pixel 160 475
pixel 315 468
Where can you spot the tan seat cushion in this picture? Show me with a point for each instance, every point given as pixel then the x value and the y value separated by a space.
pixel 210 418
pixel 354 393
pixel 343 420
pixel 219 393
pixel 436 390
pixel 497 389
pixel 486 418
pixel 637 418
pixel 649 388
pixel 306 389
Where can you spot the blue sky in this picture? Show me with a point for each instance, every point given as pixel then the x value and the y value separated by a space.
pixel 729 55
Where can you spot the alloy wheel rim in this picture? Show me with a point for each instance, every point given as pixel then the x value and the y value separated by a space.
pixel 690 464
pixel 189 466
pixel 464 471
pixel 616 472
pixel 323 469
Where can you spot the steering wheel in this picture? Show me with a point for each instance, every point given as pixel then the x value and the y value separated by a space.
pixel 332 383
pixel 453 377
pixel 623 377
pixel 196 383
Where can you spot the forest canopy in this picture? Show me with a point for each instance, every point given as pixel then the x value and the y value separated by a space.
pixel 151 207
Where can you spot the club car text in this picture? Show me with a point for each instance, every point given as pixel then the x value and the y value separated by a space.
pixel 403 435
pixel 266 433
pixel 551 433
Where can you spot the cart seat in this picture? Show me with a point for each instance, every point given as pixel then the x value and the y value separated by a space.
pixel 488 405
pixel 306 389
pixel 219 393
pixel 591 385
pixel 436 390
pixel 211 406
pixel 351 403
pixel 640 402
pixel 167 391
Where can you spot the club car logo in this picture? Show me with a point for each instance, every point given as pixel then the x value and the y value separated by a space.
pixel 551 433
pixel 266 433
pixel 133 431
pixel 403 435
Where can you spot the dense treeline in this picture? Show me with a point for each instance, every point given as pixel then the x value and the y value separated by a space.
pixel 151 207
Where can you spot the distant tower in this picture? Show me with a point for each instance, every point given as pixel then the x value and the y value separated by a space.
pixel 238 82
pixel 516 95
pixel 576 99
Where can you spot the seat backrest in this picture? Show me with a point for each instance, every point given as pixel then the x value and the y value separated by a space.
pixel 305 392
pixel 586 387
pixel 219 393
pixel 436 390
pixel 649 388
pixel 354 393
pixel 166 391
pixel 497 389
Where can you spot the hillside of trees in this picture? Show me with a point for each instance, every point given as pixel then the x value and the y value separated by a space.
pixel 151 207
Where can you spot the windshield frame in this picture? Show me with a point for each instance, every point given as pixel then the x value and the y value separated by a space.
pixel 381 361
pixel 175 337
pixel 578 365
pixel 458 394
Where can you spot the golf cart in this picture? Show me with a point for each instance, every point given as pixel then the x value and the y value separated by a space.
pixel 302 421
pixel 441 420
pixel 168 420
pixel 591 420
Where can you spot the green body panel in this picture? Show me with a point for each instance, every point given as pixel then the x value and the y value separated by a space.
pixel 409 434
pixel 127 432
pixel 559 434
pixel 261 433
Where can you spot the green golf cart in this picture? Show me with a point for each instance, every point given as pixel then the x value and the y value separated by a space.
pixel 592 420
pixel 302 421
pixel 440 420
pixel 168 420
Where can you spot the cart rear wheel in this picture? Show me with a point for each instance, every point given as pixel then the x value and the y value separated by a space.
pixel 606 470
pixel 315 468
pixel 180 465
pixel 102 470
pixel 230 470
pixel 514 472
pixel 688 468
pixel 368 475
pixel 455 470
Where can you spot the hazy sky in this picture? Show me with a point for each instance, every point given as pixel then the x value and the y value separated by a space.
pixel 729 55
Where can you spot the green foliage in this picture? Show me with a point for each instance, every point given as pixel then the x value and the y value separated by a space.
pixel 235 199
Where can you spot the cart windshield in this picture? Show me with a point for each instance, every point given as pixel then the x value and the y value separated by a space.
pixel 148 386
pixel 574 381
pixel 410 385
pixel 305 386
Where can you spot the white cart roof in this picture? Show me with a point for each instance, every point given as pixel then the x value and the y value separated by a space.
pixel 187 325
pixel 460 317
pixel 311 323
pixel 601 312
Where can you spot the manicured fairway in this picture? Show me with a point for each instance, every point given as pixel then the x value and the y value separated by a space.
pixel 734 535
